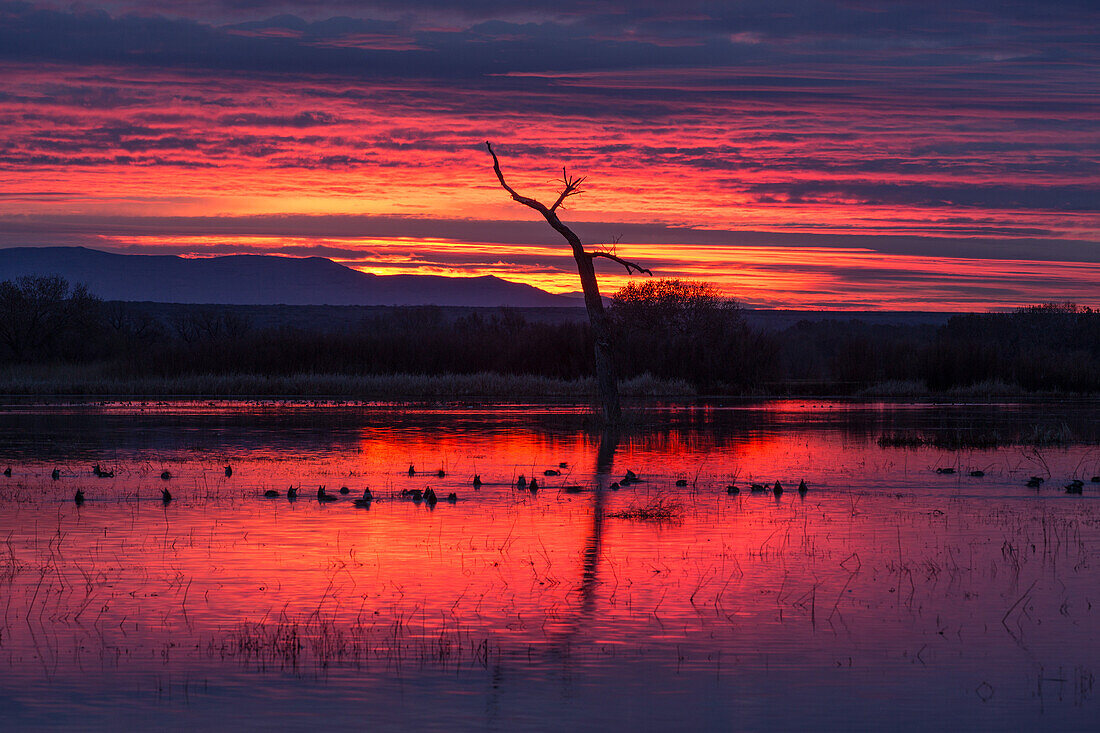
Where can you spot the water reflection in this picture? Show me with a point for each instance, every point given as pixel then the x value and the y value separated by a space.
pixel 891 594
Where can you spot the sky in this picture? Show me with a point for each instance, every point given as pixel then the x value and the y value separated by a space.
pixel 796 153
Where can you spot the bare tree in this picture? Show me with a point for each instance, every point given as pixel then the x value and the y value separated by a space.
pixel 606 379
pixel 39 313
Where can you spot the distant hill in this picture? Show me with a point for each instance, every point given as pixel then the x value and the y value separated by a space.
pixel 261 280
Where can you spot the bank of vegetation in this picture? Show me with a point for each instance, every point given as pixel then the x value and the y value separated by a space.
pixel 674 338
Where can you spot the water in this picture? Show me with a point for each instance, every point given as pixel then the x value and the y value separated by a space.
pixel 890 595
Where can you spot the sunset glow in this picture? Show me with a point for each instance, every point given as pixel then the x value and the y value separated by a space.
pixel 899 158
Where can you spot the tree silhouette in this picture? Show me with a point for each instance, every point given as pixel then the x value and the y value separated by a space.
pixel 606 379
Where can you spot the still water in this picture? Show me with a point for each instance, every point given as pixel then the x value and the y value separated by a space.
pixel 899 591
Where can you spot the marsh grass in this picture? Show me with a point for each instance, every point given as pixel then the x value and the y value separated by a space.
pixel 92 380
pixel 656 508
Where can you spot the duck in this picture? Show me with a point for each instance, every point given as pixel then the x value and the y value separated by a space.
pixel 166 475
pixel 345 490
pixel 477 480
pixel 778 489
pixel 977 474
pixel 563 464
pixel 756 488
pixel 441 473
pixel 412 470
pixel 271 493
pixel 452 497
pixel 521 483
pixel 56 474
pixel 292 493
pixel 947 469
pixel 614 486
pixel 681 482
pixel 96 470
pixel 322 496
pixel 165 495
pixel 430 497
pixel 1094 479
pixel 228 471
pixel 7 471
pixel 79 498
pixel 1076 486
pixel 368 497
pixel 1034 482
pixel 551 472
pixel 732 490
pixel 629 478
pixel 533 485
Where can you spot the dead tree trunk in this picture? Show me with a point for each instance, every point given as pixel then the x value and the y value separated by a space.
pixel 606 379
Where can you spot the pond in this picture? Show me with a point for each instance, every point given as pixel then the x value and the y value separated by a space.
pixel 917 582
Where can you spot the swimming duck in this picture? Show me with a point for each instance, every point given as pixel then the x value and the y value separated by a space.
pixel 166 475
pixel 56 474
pixel 345 490
pixel 477 480
pixel 521 483
pixel 228 471
pixel 430 497
pixel 322 496
pixel 165 495
pixel 368 497
pixel 778 489
pixel 802 487
pixel 732 490
pixel 271 493
pixel 79 498
pixel 7 471
pixel 533 486
pixel 292 493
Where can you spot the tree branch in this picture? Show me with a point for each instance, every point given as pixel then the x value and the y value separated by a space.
pixel 630 266
pixel 537 206
pixel 572 188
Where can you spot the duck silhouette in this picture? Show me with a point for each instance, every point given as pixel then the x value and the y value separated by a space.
pixel 368 497
pixel 292 493
pixel 165 495
pixel 228 471
pixel 322 496
pixel 477 480
pixel 79 498
pixel 271 493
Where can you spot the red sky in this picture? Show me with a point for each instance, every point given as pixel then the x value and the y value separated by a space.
pixel 810 154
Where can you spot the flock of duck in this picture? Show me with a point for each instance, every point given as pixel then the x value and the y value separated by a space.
pixel 1075 486
pixel 429 497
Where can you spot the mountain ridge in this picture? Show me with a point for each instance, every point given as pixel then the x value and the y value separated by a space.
pixel 252 279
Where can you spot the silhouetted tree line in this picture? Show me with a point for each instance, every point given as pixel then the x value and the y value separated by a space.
pixel 669 328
